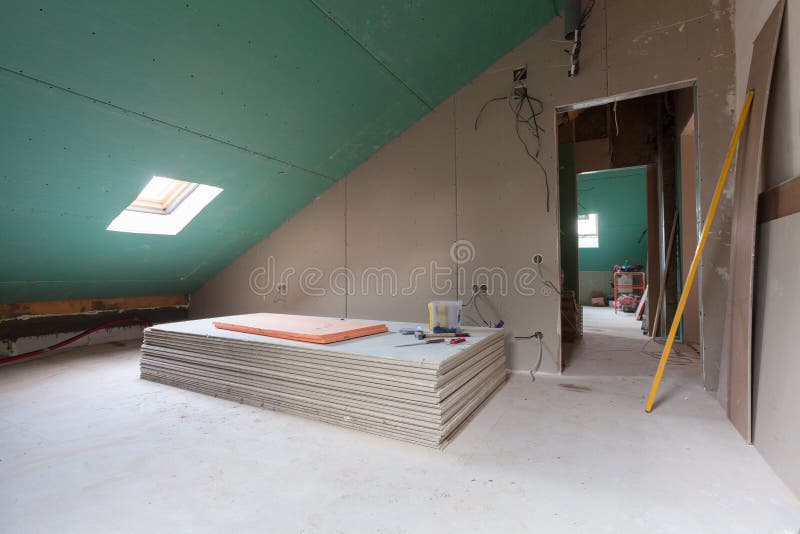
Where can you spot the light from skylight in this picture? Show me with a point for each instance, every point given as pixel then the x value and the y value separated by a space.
pixel 588 231
pixel 165 206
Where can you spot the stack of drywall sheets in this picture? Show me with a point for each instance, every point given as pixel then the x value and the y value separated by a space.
pixel 421 394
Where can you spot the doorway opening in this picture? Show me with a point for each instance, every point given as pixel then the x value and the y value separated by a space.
pixel 628 229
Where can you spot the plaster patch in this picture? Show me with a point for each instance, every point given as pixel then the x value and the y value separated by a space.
pixel 723 273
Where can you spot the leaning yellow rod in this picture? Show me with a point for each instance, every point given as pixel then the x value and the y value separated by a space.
pixel 699 251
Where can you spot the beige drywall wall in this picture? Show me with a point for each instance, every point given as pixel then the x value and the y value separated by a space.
pixel 303 255
pixel 776 361
pixel 776 365
pixel 499 194
pixel 401 221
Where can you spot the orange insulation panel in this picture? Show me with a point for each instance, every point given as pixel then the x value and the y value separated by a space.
pixel 301 327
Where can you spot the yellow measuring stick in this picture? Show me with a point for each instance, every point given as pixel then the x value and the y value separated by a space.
pixel 748 101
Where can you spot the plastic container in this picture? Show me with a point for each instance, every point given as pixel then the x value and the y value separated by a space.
pixel 444 316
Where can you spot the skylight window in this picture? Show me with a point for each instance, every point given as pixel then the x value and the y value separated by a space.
pixel 165 206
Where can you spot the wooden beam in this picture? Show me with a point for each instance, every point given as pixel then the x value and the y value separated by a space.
pixel 780 201
pixel 70 307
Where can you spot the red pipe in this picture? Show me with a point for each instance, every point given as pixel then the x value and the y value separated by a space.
pixel 74 339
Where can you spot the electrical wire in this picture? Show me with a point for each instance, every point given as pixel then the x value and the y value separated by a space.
pixel 531 121
pixel 73 339
pixel 676 357
pixel 576 43
pixel 478 310
pixel 535 369
pixel 547 282
pixel 473 302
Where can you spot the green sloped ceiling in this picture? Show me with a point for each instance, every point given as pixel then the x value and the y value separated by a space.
pixel 273 101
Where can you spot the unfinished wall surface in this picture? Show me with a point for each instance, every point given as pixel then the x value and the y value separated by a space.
pixel 776 366
pixel 473 199
pixel 619 198
pixel 269 276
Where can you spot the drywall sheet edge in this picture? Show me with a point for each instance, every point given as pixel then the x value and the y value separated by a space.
pixel 749 183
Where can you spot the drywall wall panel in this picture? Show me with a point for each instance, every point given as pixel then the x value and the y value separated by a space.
pixel 57 199
pixel 401 223
pixel 403 35
pixel 776 427
pixel 288 272
pixel 748 184
pixel 781 158
pixel 502 219
pixel 250 76
pixel 502 193
pixel 776 364
pixel 254 94
pixel 656 43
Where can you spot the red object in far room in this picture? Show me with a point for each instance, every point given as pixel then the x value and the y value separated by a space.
pixel 300 327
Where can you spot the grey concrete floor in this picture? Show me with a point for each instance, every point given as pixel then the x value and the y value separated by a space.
pixel 89 447
pixel 613 345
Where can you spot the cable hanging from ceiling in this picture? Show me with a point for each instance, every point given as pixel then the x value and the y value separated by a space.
pixel 573 28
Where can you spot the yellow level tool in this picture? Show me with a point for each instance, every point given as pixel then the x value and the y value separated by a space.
pixel 748 101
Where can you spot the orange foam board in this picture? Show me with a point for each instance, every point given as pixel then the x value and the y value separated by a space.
pixel 300 327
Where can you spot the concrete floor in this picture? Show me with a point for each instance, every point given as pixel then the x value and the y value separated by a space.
pixel 613 345
pixel 89 447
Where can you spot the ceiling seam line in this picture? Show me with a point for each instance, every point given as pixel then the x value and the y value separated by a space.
pixel 373 56
pixel 162 122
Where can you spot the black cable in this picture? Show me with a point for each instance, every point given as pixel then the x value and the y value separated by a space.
pixel 483 107
pixel 531 122
pixel 534 158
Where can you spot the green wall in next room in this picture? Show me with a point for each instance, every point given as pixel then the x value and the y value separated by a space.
pixel 619 197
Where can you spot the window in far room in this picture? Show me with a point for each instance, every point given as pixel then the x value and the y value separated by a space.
pixel 588 231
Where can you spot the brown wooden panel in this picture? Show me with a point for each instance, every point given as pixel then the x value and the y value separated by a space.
pixel 749 183
pixel 780 201
pixel 69 307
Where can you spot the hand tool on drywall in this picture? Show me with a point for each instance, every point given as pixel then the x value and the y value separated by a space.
pixel 699 251
pixel 422 335
pixel 427 342
pixel 409 331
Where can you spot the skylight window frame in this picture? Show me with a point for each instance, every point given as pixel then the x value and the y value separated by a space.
pixel 182 202
pixel 177 193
